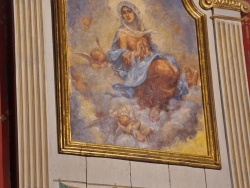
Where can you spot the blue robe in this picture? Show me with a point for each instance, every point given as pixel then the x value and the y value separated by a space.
pixel 137 73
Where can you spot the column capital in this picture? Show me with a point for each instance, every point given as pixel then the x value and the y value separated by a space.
pixel 237 5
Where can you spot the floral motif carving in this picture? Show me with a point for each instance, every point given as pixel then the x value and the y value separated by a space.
pixel 238 5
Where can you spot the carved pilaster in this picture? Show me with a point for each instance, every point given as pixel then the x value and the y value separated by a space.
pixel 235 98
pixel 30 92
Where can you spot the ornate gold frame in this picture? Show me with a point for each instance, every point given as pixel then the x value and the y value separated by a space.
pixel 67 146
pixel 237 5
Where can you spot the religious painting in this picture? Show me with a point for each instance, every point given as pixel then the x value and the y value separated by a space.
pixel 134 81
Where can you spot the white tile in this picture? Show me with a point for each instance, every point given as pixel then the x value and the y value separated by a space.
pixel 149 175
pixel 97 186
pixel 73 185
pixel 104 186
pixel 108 171
pixel 187 177
pixel 69 167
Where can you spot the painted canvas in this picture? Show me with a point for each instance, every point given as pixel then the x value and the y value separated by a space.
pixel 134 77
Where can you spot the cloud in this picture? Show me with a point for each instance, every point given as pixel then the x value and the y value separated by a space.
pixel 179 123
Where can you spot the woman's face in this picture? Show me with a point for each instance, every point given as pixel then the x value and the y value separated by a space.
pixel 128 14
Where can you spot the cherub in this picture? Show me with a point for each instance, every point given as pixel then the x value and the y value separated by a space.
pixel 131 125
pixel 79 82
pixel 97 57
pixel 192 76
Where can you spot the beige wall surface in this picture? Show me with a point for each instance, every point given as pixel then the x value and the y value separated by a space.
pixel 40 165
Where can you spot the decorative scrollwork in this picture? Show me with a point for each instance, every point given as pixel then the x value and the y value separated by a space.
pixel 238 5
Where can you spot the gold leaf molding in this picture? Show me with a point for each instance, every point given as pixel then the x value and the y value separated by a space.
pixel 237 5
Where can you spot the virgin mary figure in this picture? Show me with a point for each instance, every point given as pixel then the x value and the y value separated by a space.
pixel 148 75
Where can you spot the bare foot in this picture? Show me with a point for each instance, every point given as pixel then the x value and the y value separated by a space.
pixel 140 137
pixel 154 114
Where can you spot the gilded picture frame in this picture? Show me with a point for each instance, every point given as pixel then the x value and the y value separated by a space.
pixel 101 115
